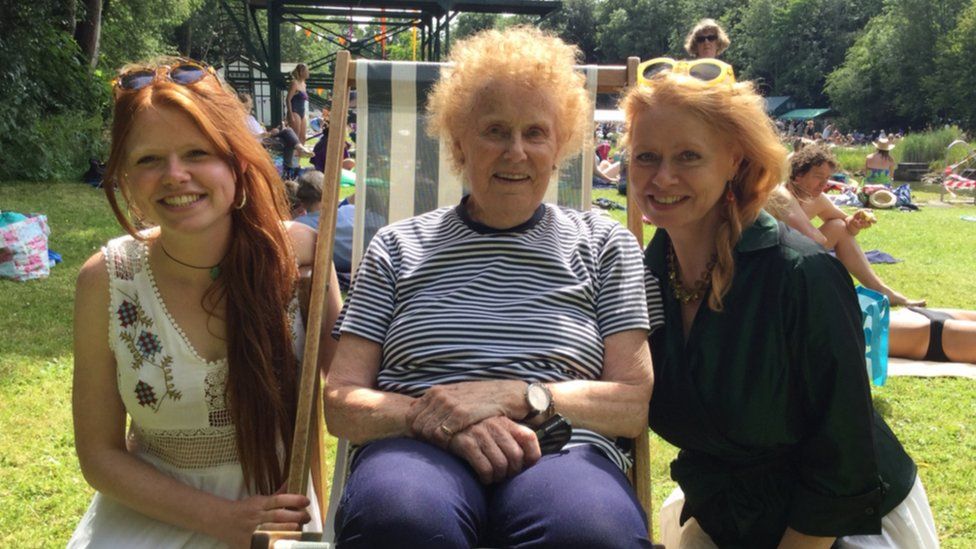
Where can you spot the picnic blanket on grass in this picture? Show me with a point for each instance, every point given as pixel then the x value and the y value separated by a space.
pixel 923 368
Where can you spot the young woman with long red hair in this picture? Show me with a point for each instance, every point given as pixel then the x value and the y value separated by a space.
pixel 189 326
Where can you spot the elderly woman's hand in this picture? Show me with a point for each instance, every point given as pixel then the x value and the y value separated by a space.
pixel 497 448
pixel 445 410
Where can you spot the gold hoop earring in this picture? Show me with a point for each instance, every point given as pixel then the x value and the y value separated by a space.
pixel 243 199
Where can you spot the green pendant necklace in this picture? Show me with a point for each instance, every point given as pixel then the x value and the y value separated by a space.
pixel 214 269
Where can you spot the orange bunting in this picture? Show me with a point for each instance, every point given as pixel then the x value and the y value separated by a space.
pixel 308 33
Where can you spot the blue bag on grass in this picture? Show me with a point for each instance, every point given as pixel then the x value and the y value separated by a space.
pixel 877 315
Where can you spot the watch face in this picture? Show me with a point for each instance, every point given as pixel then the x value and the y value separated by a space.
pixel 538 398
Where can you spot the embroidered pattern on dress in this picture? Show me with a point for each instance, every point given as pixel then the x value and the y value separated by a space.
pixel 123 270
pixel 145 394
pixel 215 387
pixel 144 349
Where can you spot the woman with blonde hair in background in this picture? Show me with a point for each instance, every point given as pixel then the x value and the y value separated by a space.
pixel 706 40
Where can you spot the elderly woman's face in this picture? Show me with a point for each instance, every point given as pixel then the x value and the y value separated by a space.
pixel 507 149
pixel 707 43
pixel 679 169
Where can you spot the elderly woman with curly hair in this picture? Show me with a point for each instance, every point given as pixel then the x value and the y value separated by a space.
pixel 706 39
pixel 759 369
pixel 468 326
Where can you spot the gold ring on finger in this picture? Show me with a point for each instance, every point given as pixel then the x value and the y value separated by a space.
pixel 447 430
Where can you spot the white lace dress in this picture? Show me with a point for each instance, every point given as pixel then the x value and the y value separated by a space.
pixel 175 399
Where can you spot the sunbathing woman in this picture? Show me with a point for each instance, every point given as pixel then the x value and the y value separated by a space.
pixel 810 170
pixel 942 335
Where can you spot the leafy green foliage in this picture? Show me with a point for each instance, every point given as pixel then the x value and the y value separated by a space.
pixel 645 28
pixel 575 23
pixel 137 30
pixel 888 71
pixel 955 83
pixel 791 46
pixel 52 107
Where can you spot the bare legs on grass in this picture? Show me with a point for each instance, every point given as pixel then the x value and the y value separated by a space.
pixel 850 254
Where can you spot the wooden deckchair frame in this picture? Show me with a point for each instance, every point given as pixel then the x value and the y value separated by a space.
pixel 610 79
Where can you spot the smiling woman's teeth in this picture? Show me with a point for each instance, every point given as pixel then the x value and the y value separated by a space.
pixel 511 176
pixel 181 200
pixel 667 199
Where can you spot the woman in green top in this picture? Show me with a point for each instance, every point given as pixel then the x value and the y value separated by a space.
pixel 760 377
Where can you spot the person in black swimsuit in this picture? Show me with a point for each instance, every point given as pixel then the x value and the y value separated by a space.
pixel 297 96
pixel 942 335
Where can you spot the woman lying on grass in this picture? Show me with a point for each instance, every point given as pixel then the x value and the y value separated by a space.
pixel 189 327
pixel 942 335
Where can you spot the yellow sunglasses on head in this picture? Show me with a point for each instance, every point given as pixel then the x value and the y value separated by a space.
pixel 709 71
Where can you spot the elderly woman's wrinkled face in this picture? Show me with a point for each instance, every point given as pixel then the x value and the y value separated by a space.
pixel 679 169
pixel 507 149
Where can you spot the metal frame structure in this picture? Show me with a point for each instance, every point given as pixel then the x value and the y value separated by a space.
pixel 431 18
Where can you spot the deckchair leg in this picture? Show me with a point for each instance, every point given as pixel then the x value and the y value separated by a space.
pixel 320 462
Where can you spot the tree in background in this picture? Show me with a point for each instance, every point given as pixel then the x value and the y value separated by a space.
pixel 877 63
pixel 955 85
pixel 53 106
pixel 575 24
pixel 645 28
pixel 790 47
pixel 888 77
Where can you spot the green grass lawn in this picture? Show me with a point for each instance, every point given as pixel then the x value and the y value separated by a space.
pixel 42 492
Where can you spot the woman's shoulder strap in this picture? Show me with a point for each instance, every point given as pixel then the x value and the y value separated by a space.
pixel 124 257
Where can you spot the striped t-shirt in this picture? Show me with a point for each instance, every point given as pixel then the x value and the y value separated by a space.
pixel 452 300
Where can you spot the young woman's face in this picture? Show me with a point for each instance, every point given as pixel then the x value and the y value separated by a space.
pixel 679 169
pixel 173 174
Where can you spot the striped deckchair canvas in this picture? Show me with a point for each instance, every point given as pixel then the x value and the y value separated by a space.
pixel 402 172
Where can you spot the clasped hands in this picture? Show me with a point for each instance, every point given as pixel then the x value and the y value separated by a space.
pixel 474 421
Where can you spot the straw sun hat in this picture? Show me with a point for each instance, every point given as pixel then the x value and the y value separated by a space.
pixel 883 144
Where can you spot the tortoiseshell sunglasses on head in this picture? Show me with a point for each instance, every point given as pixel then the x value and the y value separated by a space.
pixel 181 71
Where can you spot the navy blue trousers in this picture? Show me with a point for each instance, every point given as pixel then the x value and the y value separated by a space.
pixel 405 493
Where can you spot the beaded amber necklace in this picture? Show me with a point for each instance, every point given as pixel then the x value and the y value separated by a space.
pixel 686 295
